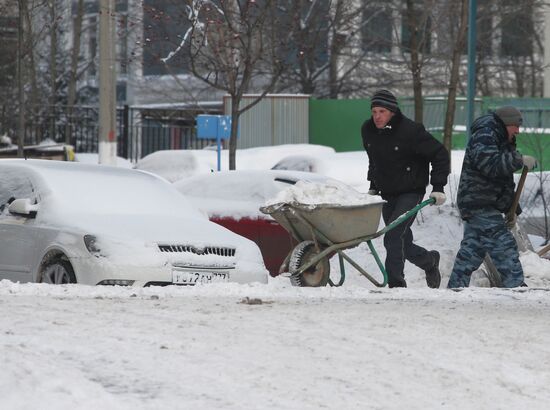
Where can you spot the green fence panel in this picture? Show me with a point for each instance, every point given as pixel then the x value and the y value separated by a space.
pixel 337 123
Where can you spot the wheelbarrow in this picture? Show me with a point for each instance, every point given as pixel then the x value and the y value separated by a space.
pixel 324 230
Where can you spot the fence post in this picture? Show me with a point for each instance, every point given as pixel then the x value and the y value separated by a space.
pixel 125 130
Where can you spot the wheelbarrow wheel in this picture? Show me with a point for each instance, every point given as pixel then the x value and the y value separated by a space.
pixel 316 275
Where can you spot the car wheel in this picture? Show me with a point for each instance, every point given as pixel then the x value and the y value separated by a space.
pixel 316 275
pixel 57 272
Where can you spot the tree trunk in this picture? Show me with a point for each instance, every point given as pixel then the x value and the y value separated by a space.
pixel 338 41
pixel 75 53
pixel 455 66
pixel 31 67
pixel 53 67
pixel 416 68
pixel 234 129
pixel 20 80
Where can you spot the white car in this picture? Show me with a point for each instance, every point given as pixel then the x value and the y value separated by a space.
pixel 64 222
pixel 349 167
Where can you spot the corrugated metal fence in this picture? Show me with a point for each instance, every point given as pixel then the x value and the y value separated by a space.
pixel 276 119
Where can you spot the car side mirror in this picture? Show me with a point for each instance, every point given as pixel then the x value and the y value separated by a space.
pixel 24 207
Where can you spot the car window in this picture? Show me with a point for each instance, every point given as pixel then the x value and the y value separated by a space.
pixel 14 185
pixel 301 163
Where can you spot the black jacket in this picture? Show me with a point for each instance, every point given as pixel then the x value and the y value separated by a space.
pixel 400 155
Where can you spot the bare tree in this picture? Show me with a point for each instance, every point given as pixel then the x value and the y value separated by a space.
pixel 418 22
pixel 230 44
pixel 509 47
pixel 75 55
pixel 458 49
pixel 21 79
pixel 322 62
pixel 536 197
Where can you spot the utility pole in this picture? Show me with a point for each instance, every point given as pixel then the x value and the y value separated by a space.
pixel 107 83
pixel 21 46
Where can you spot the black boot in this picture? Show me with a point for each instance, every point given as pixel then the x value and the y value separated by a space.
pixel 433 276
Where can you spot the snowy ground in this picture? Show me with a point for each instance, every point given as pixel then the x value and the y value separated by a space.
pixel 273 346
pixel 218 347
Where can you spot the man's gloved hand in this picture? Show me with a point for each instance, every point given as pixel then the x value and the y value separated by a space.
pixel 373 190
pixel 530 162
pixel 439 197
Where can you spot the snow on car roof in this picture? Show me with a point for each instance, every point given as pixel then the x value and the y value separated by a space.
pixel 174 165
pixel 103 188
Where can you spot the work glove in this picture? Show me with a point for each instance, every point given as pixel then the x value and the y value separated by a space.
pixel 373 190
pixel 439 197
pixel 529 162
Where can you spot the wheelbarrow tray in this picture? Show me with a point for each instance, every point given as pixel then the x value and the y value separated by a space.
pixel 338 223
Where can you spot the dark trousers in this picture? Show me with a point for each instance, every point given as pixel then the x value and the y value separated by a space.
pixel 399 240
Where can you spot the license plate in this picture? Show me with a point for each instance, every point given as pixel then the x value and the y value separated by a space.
pixel 192 277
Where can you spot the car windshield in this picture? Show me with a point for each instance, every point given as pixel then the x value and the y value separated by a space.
pixel 101 191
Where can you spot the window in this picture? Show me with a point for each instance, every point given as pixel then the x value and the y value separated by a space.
pixel 420 21
pixel 8 50
pixel 377 29
pixel 92 45
pixel 484 35
pixel 517 32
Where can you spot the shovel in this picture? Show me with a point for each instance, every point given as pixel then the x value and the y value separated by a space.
pixel 521 238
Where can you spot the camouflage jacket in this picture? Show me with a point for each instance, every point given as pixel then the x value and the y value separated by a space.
pixel 487 178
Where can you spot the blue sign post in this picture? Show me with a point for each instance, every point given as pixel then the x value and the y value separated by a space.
pixel 214 126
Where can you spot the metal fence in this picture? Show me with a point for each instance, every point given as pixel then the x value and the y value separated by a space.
pixel 139 131
pixel 143 130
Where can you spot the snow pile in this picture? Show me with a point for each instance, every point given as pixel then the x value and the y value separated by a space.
pixel 329 192
pixel 535 269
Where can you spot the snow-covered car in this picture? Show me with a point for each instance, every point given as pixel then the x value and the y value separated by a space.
pixel 174 165
pixel 233 198
pixel 349 167
pixel 65 222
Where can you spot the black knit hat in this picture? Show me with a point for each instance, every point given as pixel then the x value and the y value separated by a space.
pixel 384 98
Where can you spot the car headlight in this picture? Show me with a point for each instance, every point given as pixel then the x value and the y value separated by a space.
pixel 91 244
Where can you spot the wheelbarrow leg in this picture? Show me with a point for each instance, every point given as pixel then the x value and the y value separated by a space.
pixel 342 273
pixel 363 272
pixel 379 263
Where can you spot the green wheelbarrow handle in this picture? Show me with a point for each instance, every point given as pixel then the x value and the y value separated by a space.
pixel 404 217
pixel 388 227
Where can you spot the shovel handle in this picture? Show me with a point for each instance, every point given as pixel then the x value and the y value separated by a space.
pixel 519 188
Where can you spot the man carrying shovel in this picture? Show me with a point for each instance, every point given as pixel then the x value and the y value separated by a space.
pixel 485 193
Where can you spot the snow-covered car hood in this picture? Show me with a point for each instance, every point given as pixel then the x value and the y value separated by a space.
pixel 139 240
pixel 152 228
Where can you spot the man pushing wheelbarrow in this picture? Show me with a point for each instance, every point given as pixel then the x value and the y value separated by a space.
pixel 400 153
